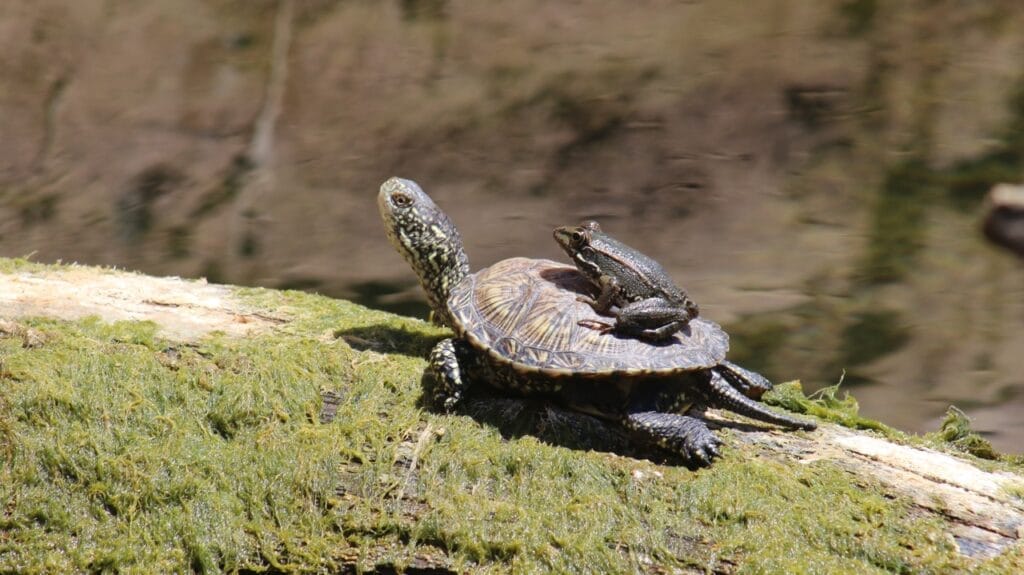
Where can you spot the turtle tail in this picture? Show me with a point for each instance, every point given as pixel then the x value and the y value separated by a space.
pixel 721 394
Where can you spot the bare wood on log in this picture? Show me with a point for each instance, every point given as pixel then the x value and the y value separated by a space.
pixel 184 310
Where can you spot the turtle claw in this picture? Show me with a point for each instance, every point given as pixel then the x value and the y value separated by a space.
pixel 701 451
pixel 712 449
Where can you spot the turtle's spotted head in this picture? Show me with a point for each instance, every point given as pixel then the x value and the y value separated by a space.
pixel 426 238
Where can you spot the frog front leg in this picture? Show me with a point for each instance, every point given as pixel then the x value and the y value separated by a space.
pixel 610 292
pixel 604 304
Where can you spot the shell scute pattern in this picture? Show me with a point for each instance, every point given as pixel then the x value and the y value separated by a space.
pixel 525 312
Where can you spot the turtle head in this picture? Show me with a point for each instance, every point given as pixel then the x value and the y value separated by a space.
pixel 426 238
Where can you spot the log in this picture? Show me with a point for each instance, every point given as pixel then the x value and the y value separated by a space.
pixel 977 504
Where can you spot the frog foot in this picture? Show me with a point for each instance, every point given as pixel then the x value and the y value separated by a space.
pixel 597 325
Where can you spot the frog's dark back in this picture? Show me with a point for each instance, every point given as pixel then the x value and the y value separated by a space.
pixel 634 267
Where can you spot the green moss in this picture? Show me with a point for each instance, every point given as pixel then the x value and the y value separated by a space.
pixel 125 452
pixel 114 447
pixel 956 431
pixel 812 519
pixel 826 404
pixel 18 265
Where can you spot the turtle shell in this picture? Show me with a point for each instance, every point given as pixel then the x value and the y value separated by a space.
pixel 525 312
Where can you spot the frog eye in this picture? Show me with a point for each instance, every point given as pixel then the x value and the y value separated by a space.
pixel 578 236
pixel 400 200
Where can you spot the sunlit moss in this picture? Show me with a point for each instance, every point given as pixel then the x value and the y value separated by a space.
pixel 827 404
pixel 956 431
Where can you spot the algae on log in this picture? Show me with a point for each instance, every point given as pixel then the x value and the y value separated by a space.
pixel 212 428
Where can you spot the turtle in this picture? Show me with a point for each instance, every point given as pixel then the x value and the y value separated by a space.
pixel 519 327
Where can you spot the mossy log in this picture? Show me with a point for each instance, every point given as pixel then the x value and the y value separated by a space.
pixel 158 425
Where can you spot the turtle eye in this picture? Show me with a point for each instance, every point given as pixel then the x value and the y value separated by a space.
pixel 400 200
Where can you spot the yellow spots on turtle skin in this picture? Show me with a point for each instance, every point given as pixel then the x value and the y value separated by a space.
pixel 406 241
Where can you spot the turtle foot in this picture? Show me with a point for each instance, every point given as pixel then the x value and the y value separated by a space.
pixel 444 363
pixel 681 434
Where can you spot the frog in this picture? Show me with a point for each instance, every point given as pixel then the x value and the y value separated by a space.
pixel 633 287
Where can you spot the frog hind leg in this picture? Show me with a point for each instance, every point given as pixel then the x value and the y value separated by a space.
pixel 652 319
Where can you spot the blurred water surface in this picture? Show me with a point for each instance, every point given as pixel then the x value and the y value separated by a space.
pixel 812 173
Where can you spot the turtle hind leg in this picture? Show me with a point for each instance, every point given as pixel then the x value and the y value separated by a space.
pixel 682 434
pixel 447 360
pixel 720 393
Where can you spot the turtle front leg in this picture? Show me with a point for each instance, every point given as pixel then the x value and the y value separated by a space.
pixel 749 383
pixel 682 434
pixel 720 393
pixel 447 361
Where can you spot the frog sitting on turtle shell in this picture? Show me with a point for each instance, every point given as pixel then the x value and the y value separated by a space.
pixel 520 327
pixel 634 288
